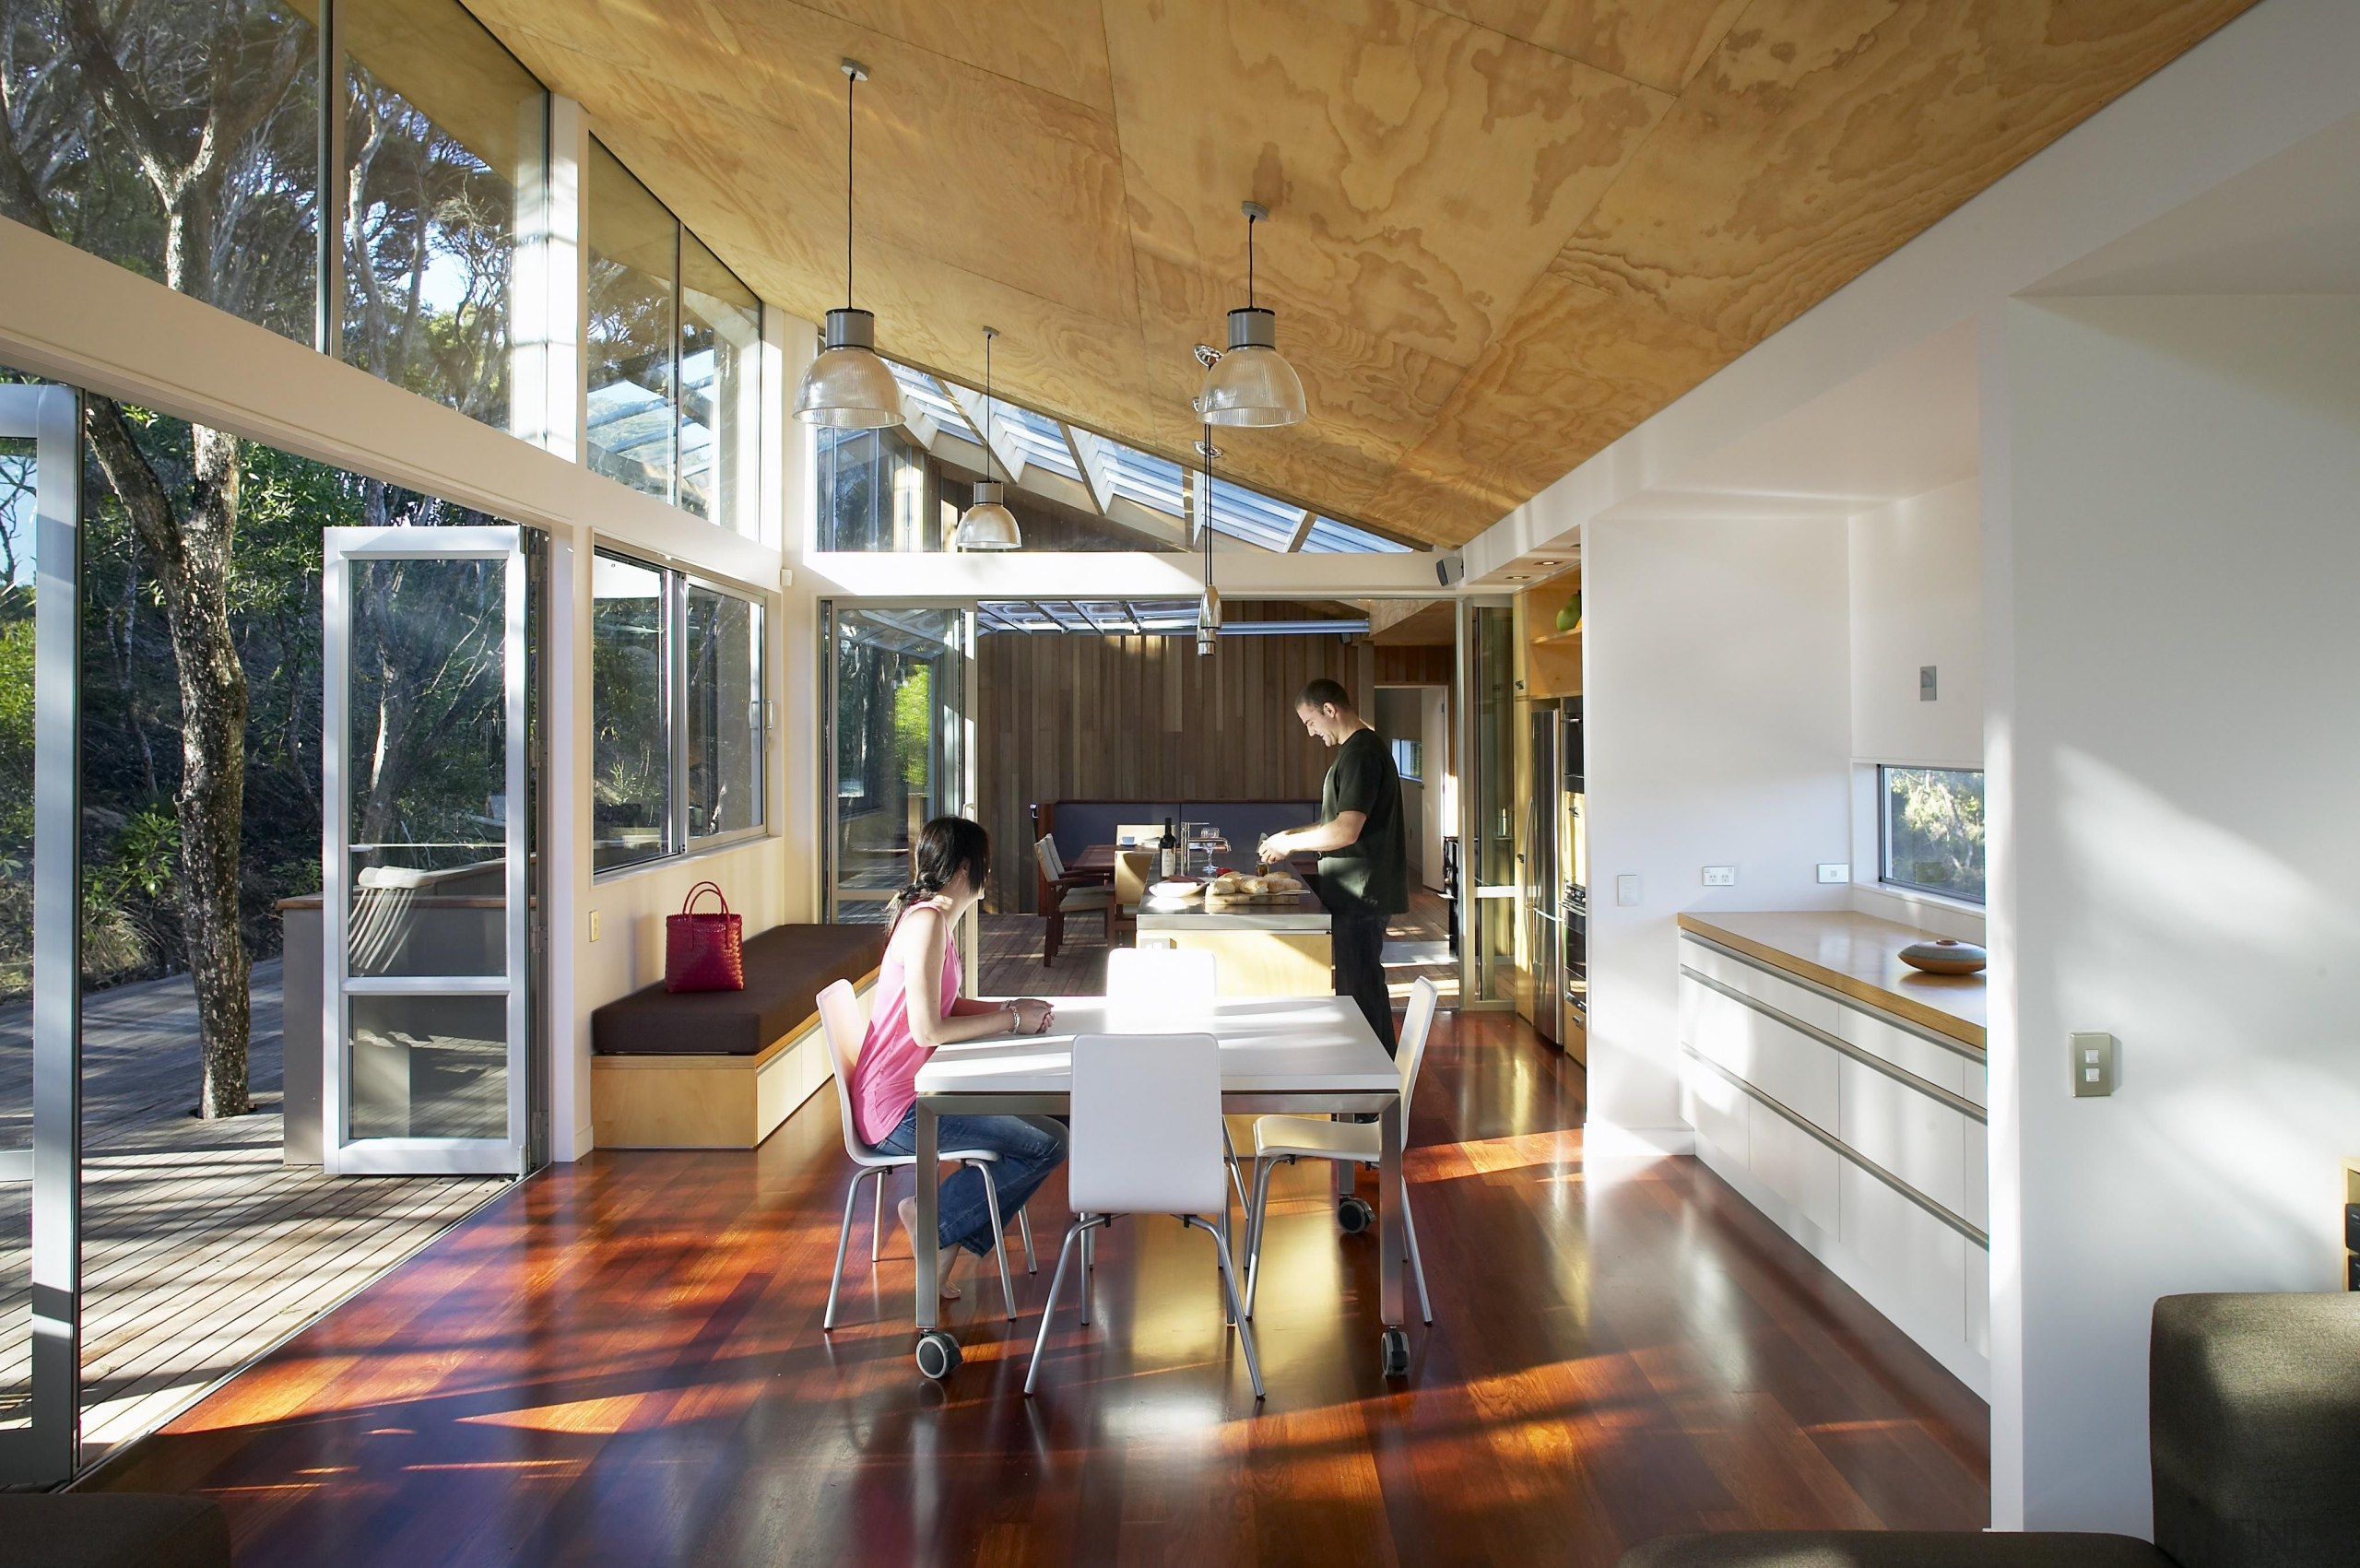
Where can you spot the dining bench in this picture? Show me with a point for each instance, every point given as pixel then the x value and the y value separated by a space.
pixel 722 1069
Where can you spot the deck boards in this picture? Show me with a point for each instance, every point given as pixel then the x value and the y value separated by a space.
pixel 201 1249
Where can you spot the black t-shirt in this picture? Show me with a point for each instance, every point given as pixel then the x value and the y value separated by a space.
pixel 1371 877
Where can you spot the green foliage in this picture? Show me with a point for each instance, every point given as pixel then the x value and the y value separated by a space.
pixel 1934 829
pixel 914 726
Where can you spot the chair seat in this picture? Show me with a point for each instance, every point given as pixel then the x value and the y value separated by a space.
pixel 1317 1138
pixel 874 1159
pixel 1086 898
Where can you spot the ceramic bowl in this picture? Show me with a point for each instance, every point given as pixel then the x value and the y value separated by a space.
pixel 1945 957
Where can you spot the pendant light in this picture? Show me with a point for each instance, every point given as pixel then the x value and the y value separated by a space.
pixel 1252 383
pixel 849 387
pixel 988 525
pixel 1207 607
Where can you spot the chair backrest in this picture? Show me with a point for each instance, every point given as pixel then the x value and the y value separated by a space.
pixel 1411 1056
pixel 1053 865
pixel 1151 988
pixel 2253 1416
pixel 1146 1125
pixel 841 1022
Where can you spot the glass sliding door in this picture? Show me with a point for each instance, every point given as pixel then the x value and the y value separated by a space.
pixel 897 746
pixel 1491 890
pixel 40 1068
pixel 428 958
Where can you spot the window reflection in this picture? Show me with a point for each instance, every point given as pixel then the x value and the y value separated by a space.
pixel 721 335
pixel 631 809
pixel 635 257
pixel 725 718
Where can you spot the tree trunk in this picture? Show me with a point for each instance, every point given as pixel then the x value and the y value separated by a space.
pixel 193 565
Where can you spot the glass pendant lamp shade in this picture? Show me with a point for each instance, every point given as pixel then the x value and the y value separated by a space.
pixel 988 525
pixel 849 387
pixel 1252 383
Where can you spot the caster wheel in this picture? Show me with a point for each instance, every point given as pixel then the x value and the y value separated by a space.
pixel 1355 1214
pixel 1395 1353
pixel 938 1354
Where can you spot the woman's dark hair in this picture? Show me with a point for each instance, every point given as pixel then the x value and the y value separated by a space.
pixel 944 845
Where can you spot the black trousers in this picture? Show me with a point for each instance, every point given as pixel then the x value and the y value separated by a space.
pixel 1359 942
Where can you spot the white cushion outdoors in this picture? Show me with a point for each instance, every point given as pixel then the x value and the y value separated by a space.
pixel 1146 1125
pixel 1086 898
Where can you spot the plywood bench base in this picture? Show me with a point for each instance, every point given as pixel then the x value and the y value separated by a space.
pixel 707 1101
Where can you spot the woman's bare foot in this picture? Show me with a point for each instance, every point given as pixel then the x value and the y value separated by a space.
pixel 908 1209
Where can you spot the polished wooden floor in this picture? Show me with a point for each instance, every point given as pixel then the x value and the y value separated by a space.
pixel 620 1362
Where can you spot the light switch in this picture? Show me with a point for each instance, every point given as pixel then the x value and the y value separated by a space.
pixel 1626 889
pixel 1832 872
pixel 1720 876
pixel 593 925
pixel 1925 683
pixel 2094 1065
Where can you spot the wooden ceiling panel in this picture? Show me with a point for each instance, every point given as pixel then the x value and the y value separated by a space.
pixel 1660 43
pixel 1503 232
pixel 1420 171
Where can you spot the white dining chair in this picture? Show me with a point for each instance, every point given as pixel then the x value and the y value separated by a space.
pixel 1166 988
pixel 1145 1109
pixel 1284 1139
pixel 841 1022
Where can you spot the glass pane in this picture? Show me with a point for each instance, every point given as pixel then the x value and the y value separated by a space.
pixel 16 532
pixel 429 791
pixel 238 228
pixel 430 1067
pixel 721 338
pixel 630 801
pixel 1491 861
pixel 444 130
pixel 632 395
pixel 872 493
pixel 1933 829
pixel 725 695
pixel 899 678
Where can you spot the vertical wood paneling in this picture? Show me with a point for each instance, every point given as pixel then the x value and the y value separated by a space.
pixel 1110 718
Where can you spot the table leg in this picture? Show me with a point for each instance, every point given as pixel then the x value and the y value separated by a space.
pixel 921 1242
pixel 1392 1239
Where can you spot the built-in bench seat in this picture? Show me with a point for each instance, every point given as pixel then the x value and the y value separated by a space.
pixel 722 1069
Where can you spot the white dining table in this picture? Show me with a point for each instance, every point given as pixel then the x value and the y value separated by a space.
pixel 1303 1054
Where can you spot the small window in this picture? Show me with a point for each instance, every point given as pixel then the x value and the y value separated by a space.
pixel 1408 760
pixel 680 723
pixel 1931 830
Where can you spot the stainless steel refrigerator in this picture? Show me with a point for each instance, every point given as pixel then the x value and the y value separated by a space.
pixel 1553 872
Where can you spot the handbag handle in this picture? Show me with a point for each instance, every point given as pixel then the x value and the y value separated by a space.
pixel 688 906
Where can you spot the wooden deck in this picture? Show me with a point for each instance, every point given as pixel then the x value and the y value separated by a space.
pixel 620 1361
pixel 200 1249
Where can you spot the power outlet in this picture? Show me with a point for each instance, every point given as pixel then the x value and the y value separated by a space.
pixel 1626 889
pixel 593 925
pixel 1831 872
pixel 1720 876
pixel 2094 1066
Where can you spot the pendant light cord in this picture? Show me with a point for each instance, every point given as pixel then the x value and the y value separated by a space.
pixel 850 82
pixel 1249 256
pixel 990 471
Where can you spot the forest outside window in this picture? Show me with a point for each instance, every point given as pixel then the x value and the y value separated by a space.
pixel 680 723
pixel 1930 829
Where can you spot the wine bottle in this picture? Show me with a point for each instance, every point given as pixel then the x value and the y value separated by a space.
pixel 1170 860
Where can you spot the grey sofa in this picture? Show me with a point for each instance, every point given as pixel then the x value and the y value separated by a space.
pixel 2254 1443
pixel 112 1529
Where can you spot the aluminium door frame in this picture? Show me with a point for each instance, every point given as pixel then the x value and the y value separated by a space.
pixel 48 1448
pixel 342 1155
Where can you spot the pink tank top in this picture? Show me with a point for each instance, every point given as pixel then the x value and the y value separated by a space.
pixel 885 1076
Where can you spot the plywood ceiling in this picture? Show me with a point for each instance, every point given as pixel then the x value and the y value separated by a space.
pixel 1503 232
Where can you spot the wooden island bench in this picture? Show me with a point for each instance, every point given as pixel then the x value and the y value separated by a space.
pixel 722 1069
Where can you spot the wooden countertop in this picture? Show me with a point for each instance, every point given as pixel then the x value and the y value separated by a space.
pixel 1859 955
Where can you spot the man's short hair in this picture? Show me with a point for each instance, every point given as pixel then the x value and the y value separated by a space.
pixel 1325 693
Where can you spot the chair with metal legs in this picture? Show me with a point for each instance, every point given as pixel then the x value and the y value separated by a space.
pixel 840 1021
pixel 1284 1139
pixel 1145 1107
pixel 1161 988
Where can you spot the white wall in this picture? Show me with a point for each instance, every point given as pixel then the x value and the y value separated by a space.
pixel 2174 517
pixel 1718 732
pixel 1917 599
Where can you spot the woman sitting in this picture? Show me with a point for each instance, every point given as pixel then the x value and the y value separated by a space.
pixel 918 1009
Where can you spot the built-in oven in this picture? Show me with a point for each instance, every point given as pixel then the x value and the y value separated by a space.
pixel 1574 1030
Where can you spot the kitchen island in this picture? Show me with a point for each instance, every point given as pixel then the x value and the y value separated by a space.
pixel 1265 949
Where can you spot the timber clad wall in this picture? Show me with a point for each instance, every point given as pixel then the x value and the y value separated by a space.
pixel 1112 718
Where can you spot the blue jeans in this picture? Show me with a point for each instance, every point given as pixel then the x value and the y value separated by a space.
pixel 1029 1149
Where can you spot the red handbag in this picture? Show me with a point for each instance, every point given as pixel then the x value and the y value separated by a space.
pixel 704 952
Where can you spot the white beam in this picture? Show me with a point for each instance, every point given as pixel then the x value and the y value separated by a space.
pixel 1117 574
pixel 1097 472
pixel 1301 531
pixel 990 425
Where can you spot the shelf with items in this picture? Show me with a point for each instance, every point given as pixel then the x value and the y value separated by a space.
pixel 1561 639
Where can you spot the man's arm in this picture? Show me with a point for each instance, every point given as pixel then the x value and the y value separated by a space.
pixel 1339 831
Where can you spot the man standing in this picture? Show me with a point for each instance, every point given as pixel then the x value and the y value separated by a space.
pixel 1362 844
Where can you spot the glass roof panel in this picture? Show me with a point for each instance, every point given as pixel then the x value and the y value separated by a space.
pixel 927 393
pixel 1329 537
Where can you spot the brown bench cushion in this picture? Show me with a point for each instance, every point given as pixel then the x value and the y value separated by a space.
pixel 786 968
pixel 113 1530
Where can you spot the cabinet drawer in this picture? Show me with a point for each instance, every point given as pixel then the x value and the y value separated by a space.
pixel 1914 1135
pixel 1795 1165
pixel 1768 989
pixel 1786 1064
pixel 1915 1257
pixel 1911 1053
pixel 1716 1109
